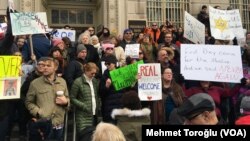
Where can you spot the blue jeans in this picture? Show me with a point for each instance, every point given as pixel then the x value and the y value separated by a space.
pixel 56 134
pixel 4 127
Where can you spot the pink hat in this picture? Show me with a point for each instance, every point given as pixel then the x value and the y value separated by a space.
pixel 107 45
pixel 56 42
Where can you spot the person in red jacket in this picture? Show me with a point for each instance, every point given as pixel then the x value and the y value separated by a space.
pixel 214 91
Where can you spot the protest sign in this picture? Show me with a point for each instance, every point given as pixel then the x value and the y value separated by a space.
pixel 71 34
pixel 125 76
pixel 219 63
pixel 149 84
pixel 10 82
pixel 10 66
pixel 194 30
pixel 10 88
pixel 132 50
pixel 28 23
pixel 225 24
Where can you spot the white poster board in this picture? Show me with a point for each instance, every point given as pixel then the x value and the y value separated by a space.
pixel 219 63
pixel 10 88
pixel 225 24
pixel 132 50
pixel 28 23
pixel 150 83
pixel 71 34
pixel 194 30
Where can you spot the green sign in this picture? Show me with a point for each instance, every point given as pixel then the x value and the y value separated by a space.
pixel 125 76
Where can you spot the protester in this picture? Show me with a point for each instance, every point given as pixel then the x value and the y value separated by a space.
pixel 127 38
pixel 75 67
pixel 108 132
pixel 203 16
pixel 47 98
pixel 131 118
pixel 84 96
pixel 199 109
pixel 111 98
pixel 244 119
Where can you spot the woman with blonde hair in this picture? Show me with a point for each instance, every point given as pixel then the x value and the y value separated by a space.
pixel 84 96
pixel 107 132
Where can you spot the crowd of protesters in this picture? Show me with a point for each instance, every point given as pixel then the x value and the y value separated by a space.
pixel 62 76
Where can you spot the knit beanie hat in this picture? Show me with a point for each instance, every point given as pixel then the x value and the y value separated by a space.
pixel 56 42
pixel 80 47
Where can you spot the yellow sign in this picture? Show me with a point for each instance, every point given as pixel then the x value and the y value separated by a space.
pixel 10 66
pixel 221 24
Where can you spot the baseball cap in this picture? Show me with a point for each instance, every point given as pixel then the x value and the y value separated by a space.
pixel 196 104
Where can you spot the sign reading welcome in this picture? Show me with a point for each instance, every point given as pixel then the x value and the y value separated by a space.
pixel 217 63
pixel 149 84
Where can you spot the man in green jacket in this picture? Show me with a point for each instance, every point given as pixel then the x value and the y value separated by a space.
pixel 47 98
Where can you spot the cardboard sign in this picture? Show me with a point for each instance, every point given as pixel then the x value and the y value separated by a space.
pixel 10 66
pixel 225 24
pixel 150 82
pixel 132 50
pixel 10 88
pixel 10 82
pixel 125 76
pixel 28 23
pixel 194 30
pixel 71 34
pixel 219 63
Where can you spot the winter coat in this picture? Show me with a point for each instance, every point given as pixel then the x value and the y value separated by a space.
pixel 111 99
pixel 131 121
pixel 81 98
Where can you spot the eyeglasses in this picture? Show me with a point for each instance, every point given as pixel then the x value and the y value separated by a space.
pixel 140 53
pixel 107 63
pixel 109 48
pixel 168 37
pixel 128 33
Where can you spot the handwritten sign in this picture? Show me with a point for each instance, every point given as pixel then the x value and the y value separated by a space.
pixel 219 63
pixel 150 84
pixel 125 77
pixel 3 27
pixel 10 66
pixel 71 34
pixel 225 24
pixel 194 30
pixel 28 23
pixel 10 88
pixel 132 50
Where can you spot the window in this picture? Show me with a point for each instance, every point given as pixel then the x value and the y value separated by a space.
pixel 172 10
pixel 72 16
pixel 243 6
